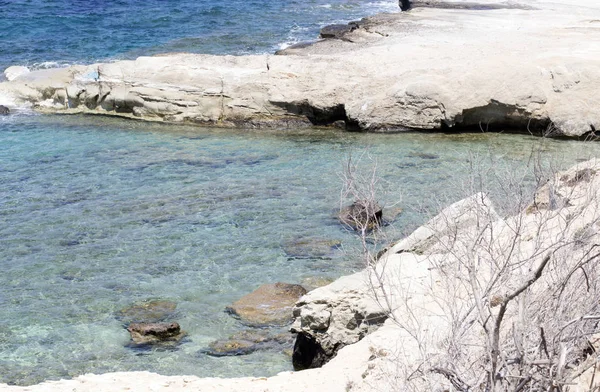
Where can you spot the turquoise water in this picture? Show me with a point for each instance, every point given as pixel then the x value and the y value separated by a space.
pixel 98 214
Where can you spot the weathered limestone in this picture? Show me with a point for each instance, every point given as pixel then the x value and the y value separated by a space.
pixel 11 73
pixel 529 66
pixel 334 316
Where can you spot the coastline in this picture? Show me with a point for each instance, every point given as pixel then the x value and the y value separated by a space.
pixel 533 68
pixel 336 81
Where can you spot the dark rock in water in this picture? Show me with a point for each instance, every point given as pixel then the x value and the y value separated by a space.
pixel 404 4
pixel 4 110
pixel 152 333
pixel 423 155
pixel 338 30
pixel 361 215
pixel 311 248
pixel 247 342
pixel 270 304
pixel 147 312
pixel 308 353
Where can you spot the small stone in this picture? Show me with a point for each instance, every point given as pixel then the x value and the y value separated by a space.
pixel 4 111
pixel 231 347
pixel 152 333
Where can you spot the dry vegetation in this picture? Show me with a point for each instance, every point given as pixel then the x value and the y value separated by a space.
pixel 510 301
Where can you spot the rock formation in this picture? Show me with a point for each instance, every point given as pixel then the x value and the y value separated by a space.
pixel 532 66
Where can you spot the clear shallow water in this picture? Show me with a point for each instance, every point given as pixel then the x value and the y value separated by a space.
pixel 98 214
pixel 42 33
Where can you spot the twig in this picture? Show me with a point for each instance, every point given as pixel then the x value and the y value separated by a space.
pixel 454 379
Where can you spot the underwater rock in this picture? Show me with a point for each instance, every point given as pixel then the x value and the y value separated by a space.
pixel 270 304
pixel 311 248
pixel 4 110
pixel 147 312
pixel 390 214
pixel 152 333
pixel 249 341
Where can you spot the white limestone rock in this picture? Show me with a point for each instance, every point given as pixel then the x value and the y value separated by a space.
pixel 12 73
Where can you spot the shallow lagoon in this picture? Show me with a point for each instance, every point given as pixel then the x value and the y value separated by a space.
pixel 98 214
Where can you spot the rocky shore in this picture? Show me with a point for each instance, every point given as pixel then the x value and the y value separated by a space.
pixel 531 65
pixel 455 305
pixel 420 318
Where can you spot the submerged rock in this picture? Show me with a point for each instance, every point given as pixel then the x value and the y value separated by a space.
pixel 311 248
pixel 270 304
pixel 4 110
pixel 147 312
pixel 152 333
pixel 249 341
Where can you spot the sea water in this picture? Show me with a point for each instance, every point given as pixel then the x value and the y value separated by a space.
pixel 49 33
pixel 97 214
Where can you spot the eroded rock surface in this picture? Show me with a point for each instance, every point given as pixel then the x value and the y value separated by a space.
pixel 331 317
pixel 433 68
